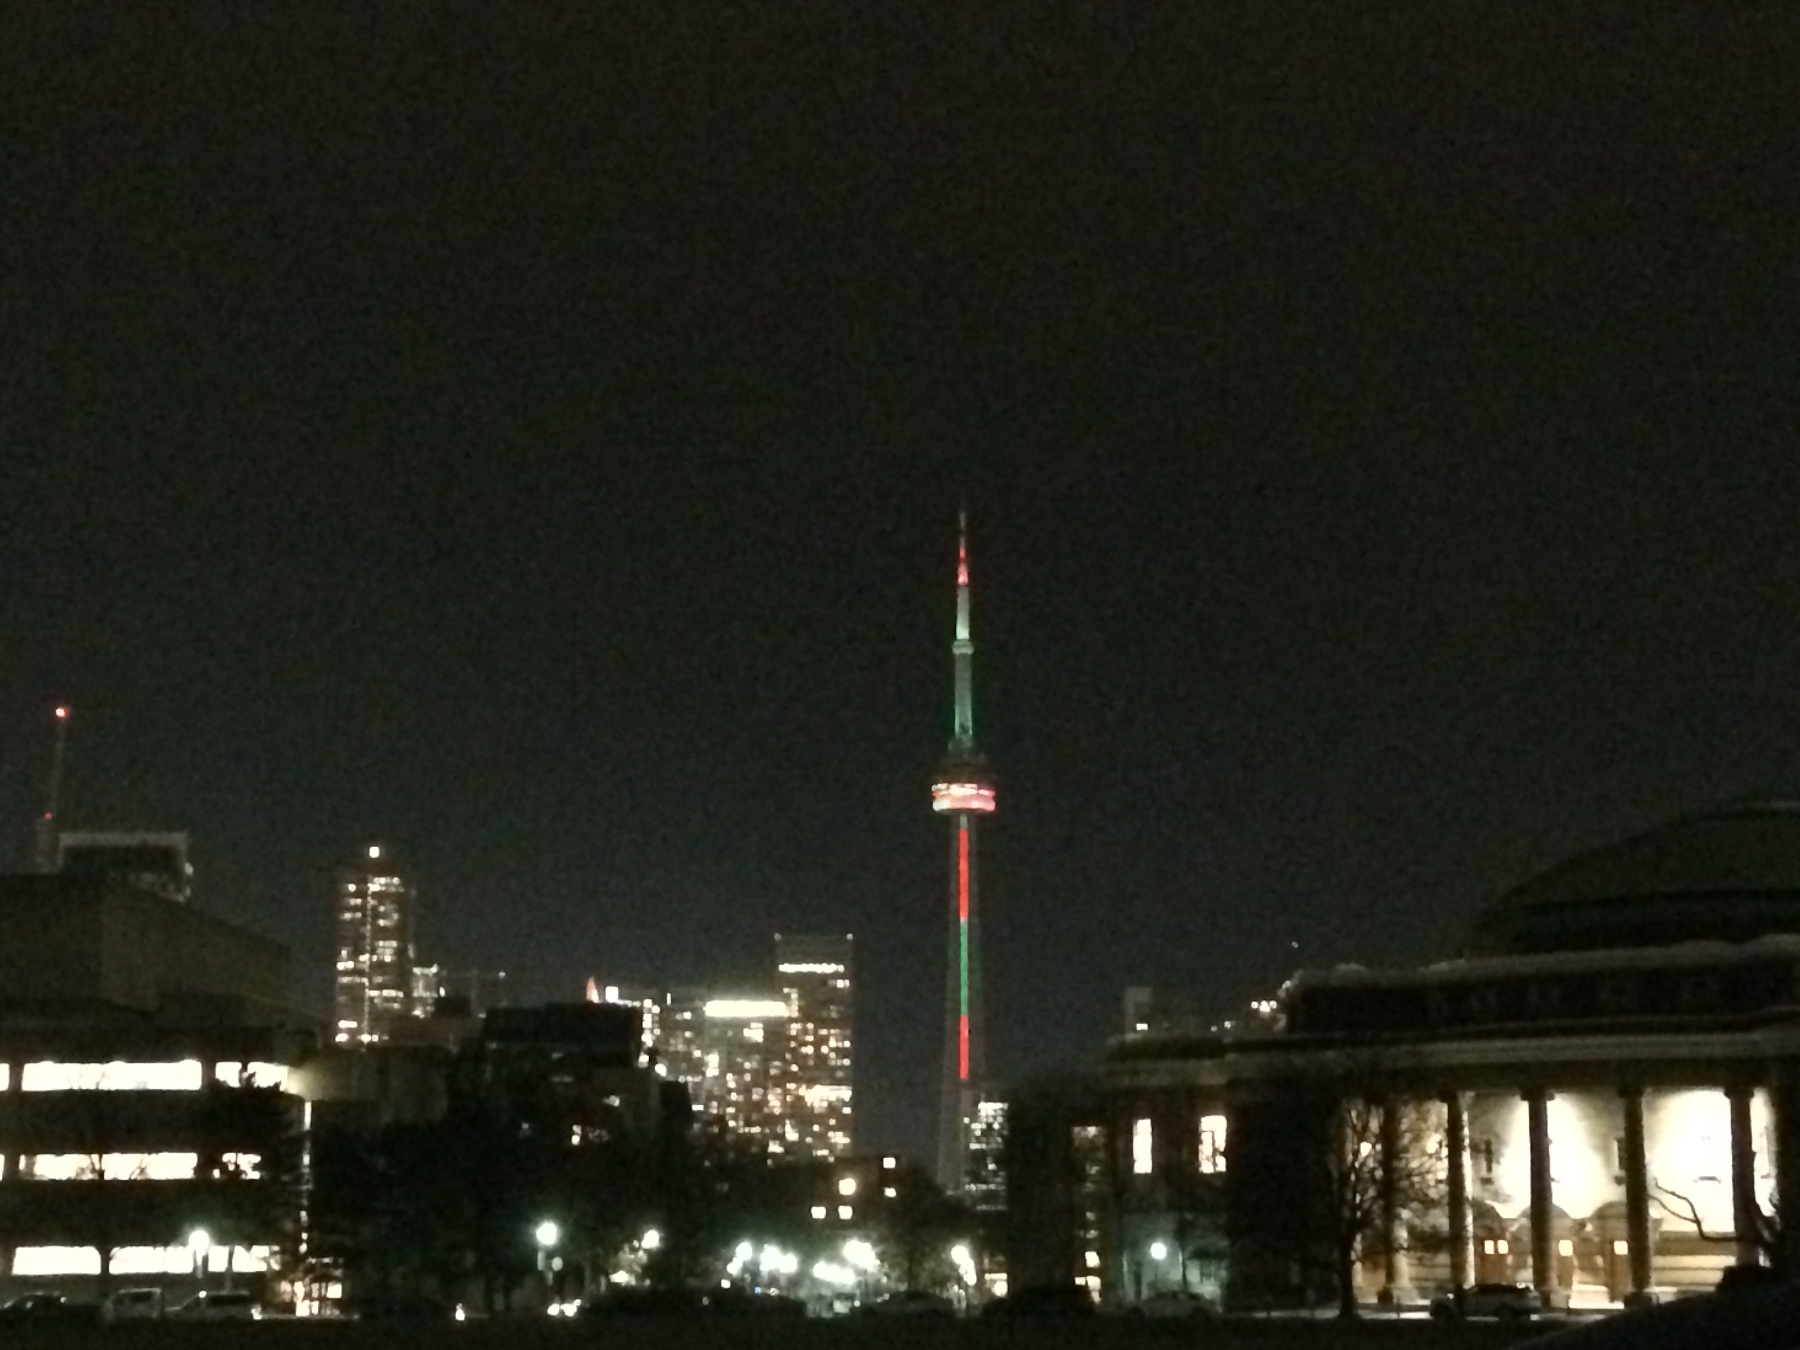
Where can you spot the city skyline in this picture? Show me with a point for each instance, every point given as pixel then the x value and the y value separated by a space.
pixel 1378 432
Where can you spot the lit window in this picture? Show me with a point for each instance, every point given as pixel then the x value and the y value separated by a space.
pixel 1212 1144
pixel 1565 1247
pixel 109 1167
pixel 845 1212
pixel 1142 1146
pixel 56 1261
pixel 1621 1247
pixel 1092 1260
pixel 50 1076
pixel 818 1211
pixel 847 1186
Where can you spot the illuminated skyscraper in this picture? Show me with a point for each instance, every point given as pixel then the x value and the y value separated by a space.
pixel 814 976
pixel 373 923
pixel 743 1052
pixel 963 793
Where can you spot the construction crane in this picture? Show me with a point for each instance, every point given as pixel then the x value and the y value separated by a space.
pixel 46 825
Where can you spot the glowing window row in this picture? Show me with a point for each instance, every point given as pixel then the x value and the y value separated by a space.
pixel 129 1166
pixel 52 1261
pixel 187 1075
pixel 1211 1156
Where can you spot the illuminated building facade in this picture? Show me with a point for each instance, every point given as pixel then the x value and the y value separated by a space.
pixel 817 1087
pixel 373 979
pixel 743 1049
pixel 774 1068
pixel 144 1062
pixel 1600 1095
pixel 963 793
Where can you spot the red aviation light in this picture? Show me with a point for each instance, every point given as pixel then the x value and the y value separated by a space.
pixel 962 797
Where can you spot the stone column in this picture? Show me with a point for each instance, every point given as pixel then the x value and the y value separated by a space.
pixel 1746 1216
pixel 1543 1263
pixel 1390 1208
pixel 1637 1194
pixel 1457 1142
pixel 1784 1103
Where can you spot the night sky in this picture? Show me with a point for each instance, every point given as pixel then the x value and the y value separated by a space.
pixel 533 434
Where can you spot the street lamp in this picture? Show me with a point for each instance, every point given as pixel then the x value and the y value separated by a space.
pixel 1159 1250
pixel 200 1244
pixel 548 1235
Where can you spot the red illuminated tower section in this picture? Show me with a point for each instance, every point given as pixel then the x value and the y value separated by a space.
pixel 963 794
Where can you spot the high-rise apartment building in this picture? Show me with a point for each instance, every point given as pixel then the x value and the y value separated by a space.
pixel 814 976
pixel 773 1066
pixel 374 921
pixel 743 1046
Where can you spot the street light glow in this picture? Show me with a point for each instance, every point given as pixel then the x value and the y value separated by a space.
pixel 548 1233
pixel 651 1240
pixel 1159 1250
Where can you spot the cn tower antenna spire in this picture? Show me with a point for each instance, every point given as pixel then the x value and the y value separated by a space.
pixel 962 735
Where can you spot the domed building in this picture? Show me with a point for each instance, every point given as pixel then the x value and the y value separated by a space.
pixel 1730 875
pixel 1592 1098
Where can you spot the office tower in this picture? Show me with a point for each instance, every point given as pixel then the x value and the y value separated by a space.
pixel 963 794
pixel 649 1004
pixel 814 976
pixel 155 861
pixel 743 1046
pixel 374 926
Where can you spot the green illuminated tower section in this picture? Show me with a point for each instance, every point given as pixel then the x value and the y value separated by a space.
pixel 963 793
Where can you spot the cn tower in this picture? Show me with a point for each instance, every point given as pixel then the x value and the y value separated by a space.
pixel 963 793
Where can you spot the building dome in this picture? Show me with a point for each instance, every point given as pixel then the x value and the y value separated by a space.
pixel 1730 875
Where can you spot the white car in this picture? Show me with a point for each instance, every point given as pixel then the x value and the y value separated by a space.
pixel 218 1305
pixel 1508 1302
pixel 1178 1303
pixel 132 1305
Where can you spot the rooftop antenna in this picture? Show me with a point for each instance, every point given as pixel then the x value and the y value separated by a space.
pixel 46 825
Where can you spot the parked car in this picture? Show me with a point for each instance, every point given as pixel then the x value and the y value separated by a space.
pixel 218 1305
pixel 1043 1300
pixel 911 1303
pixel 732 1302
pixel 132 1305
pixel 735 1302
pixel 646 1302
pixel 401 1308
pixel 1177 1303
pixel 47 1306
pixel 1508 1302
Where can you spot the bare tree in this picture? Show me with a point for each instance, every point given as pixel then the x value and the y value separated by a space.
pixel 1765 1224
pixel 1384 1171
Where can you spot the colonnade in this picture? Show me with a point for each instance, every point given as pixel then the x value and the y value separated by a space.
pixel 1637 1185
